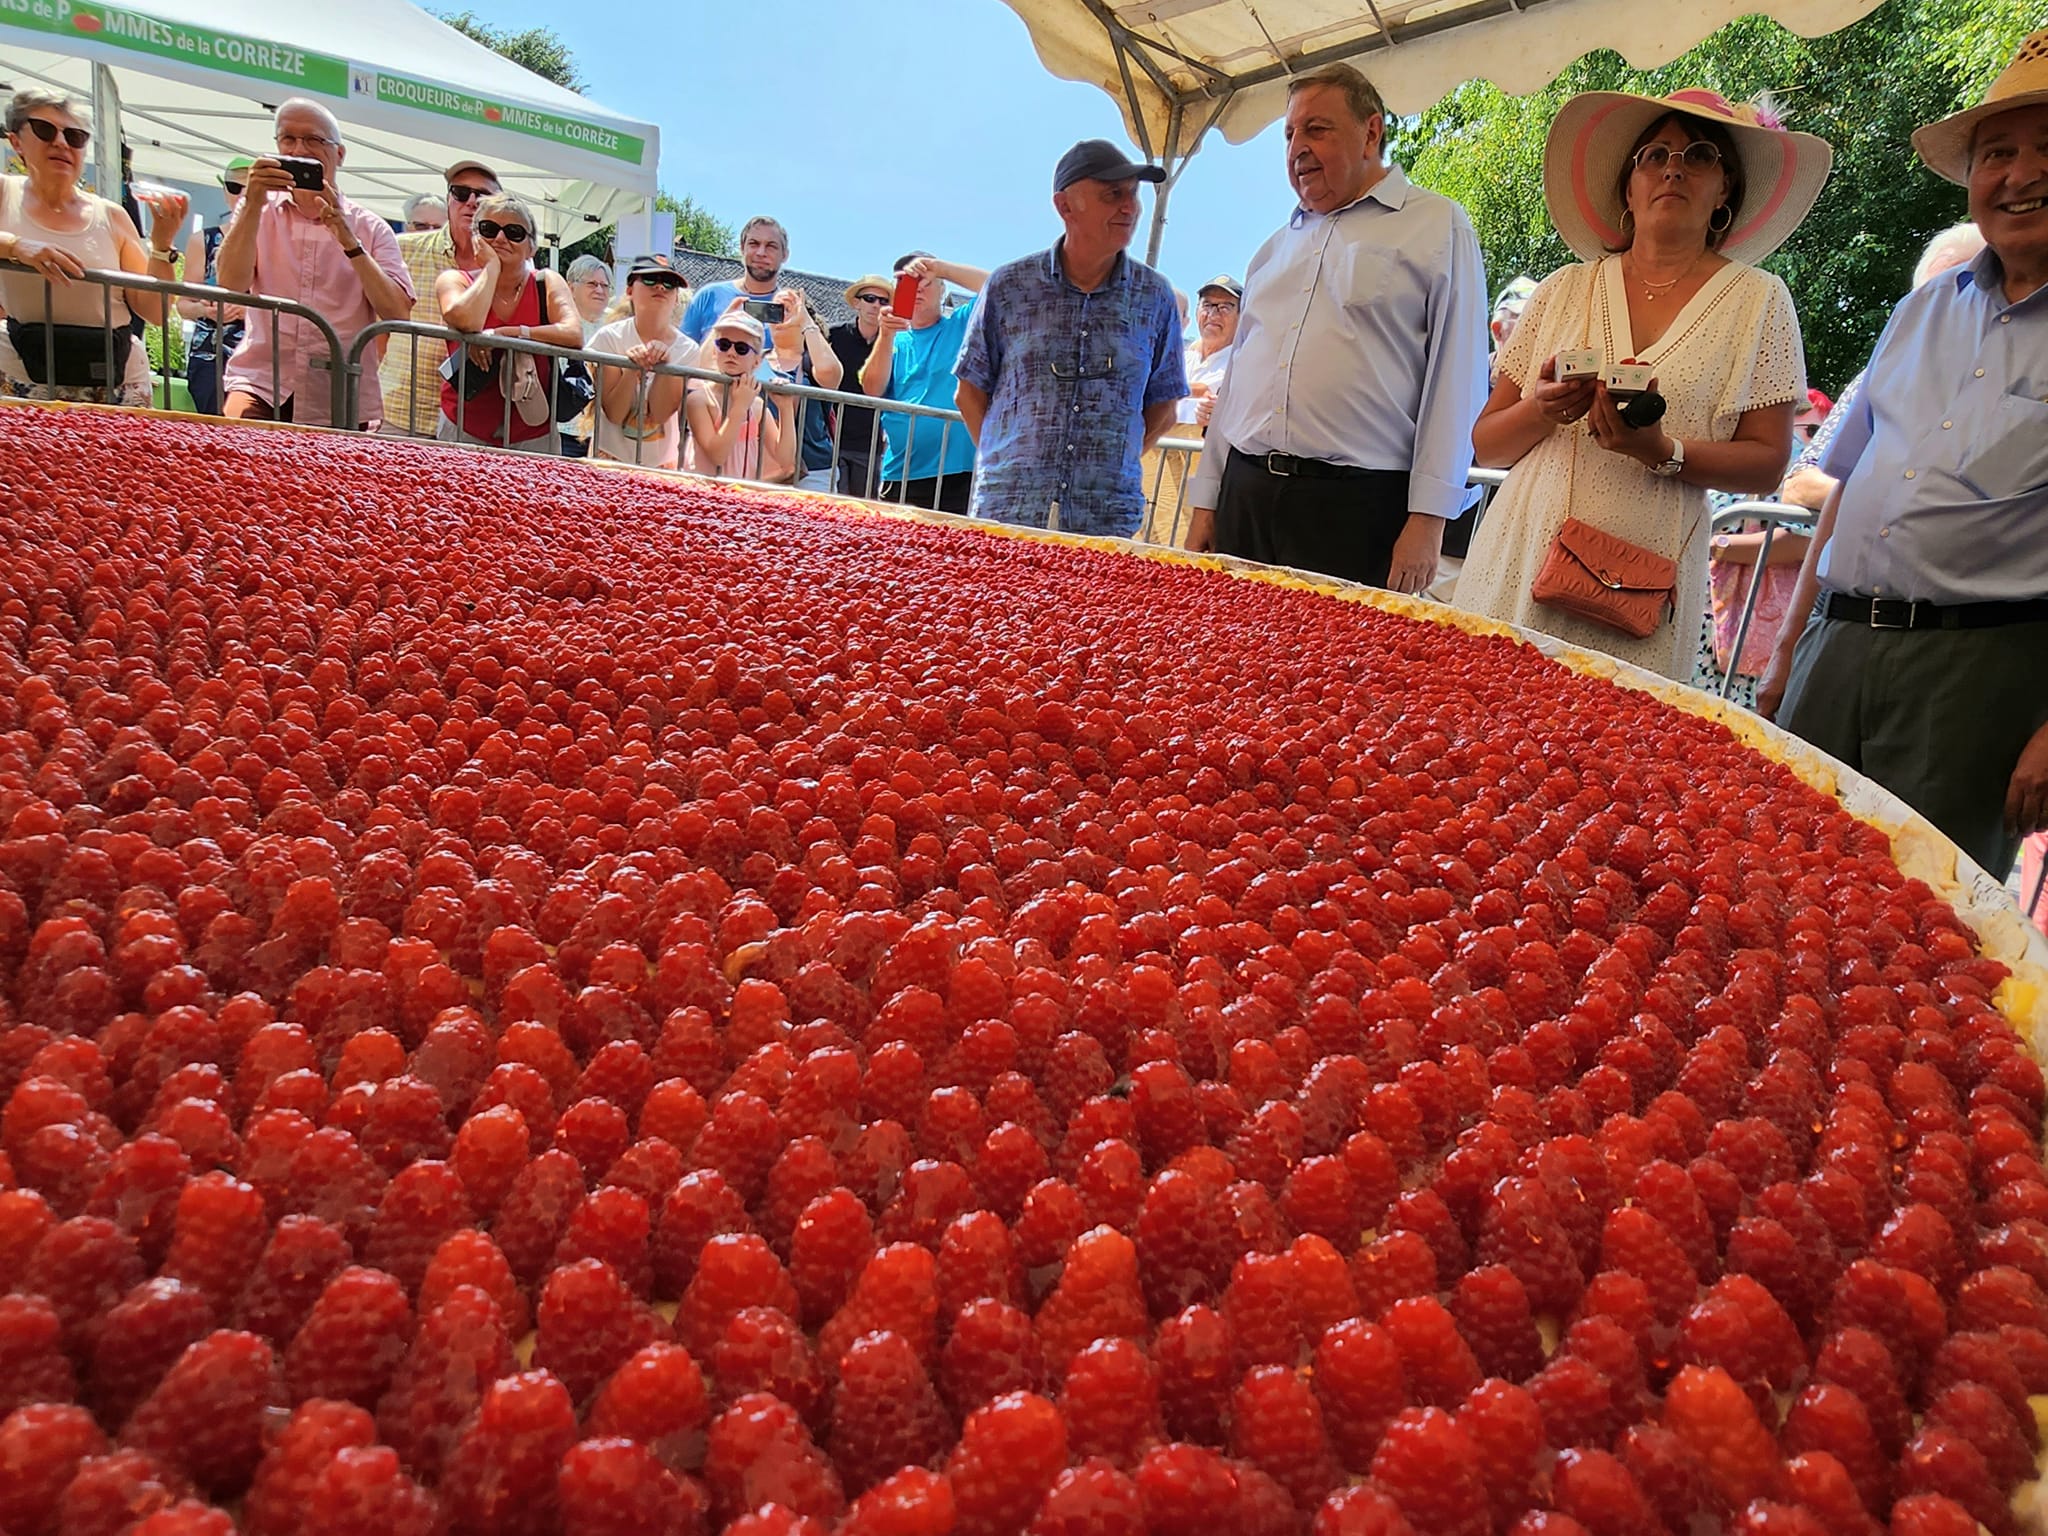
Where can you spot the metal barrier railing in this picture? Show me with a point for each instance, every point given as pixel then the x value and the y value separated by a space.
pixel 207 293
pixel 1773 515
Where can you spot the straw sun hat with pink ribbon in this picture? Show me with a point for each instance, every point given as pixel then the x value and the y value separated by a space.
pixel 1589 143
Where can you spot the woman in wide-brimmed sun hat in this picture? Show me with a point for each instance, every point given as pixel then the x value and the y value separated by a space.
pixel 1668 199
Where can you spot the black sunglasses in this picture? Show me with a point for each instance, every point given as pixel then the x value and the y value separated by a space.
pixel 490 229
pixel 873 298
pixel 668 284
pixel 234 188
pixel 47 131
pixel 727 344
pixel 464 194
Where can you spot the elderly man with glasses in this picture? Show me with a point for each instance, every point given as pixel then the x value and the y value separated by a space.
pixel 411 371
pixel 311 244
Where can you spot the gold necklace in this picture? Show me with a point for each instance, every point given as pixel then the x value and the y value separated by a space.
pixel 1655 291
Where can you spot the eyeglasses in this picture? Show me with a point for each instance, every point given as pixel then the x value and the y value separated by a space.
pixel 1697 157
pixel 872 298
pixel 727 344
pixel 234 188
pixel 1218 306
pixel 307 141
pixel 490 229
pixel 461 194
pixel 1080 373
pixel 47 131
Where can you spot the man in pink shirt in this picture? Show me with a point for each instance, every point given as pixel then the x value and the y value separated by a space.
pixel 315 246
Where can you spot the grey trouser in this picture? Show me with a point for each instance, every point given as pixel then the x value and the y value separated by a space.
pixel 1937 716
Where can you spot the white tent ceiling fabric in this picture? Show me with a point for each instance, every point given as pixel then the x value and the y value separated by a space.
pixel 198 78
pixel 1414 51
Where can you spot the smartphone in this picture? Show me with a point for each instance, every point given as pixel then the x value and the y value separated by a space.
pixel 767 311
pixel 906 294
pixel 307 174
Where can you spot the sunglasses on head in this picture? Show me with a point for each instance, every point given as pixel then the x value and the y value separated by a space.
pixel 47 131
pixel 490 229
pixel 462 194
pixel 873 298
pixel 727 344
pixel 234 188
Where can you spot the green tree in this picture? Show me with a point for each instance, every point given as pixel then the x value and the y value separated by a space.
pixel 1863 89
pixel 697 229
pixel 537 49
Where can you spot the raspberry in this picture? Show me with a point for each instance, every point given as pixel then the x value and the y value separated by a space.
pixel 615 1487
pixel 650 1168
pixel 1634 1241
pixel 1320 1197
pixel 362 1492
pixel 470 1258
pixel 611 1225
pixel 1423 1212
pixel 140 1189
pixel 1827 1418
pixel 488 1154
pixel 1519 1228
pixel 454 1058
pixel 1492 1313
pixel 1361 1382
pixel 1606 1346
pixel 830 1245
pixel 1182 1242
pixel 1097 1296
pixel 1708 1411
pixel 1981 1417
pixel 1919 1239
pixel 1624 1300
pixel 1505 1428
pixel 352 1340
pixel 1360 1510
pixel 1428 1466
pixel 1008 1455
pixel 1092 1499
pixel 1197 1372
pixel 588 1324
pixel 536 1211
pixel 1578 1402
pixel 761 1350
pixel 460 1349
pixel 1439 1364
pixel 33 1368
pixel 109 1493
pixel 406 1123
pixel 1671 1476
pixel 41 1446
pixel 885 1414
pixel 1939 1460
pixel 1818 1483
pixel 741 1142
pixel 897 1292
pixel 774 1520
pixel 82 1267
pixel 657 1398
pixel 187 1517
pixel 1764 1250
pixel 502 1472
pixel 991 1350
pixel 1859 1360
pixel 2028 1348
pixel 1052 1219
pixel 303 1254
pixel 1390 1268
pixel 1930 1514
pixel 930 1197
pixel 1259 1305
pixel 1765 1518
pixel 206 1416
pixel 758 1452
pixel 1898 1305
pixel 1999 1295
pixel 1277 1425
pixel 1598 1491
pixel 24 1217
pixel 333 1178
pixel 1979 1357
pixel 1111 1402
pixel 423 1205
pixel 1182 1487
pixel 977 1258
pixel 141 1339
pixel 1544 1522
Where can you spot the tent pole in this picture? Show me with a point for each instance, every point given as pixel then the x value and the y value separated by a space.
pixel 1159 199
pixel 106 125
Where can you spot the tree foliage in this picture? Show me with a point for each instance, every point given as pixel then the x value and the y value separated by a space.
pixel 1863 89
pixel 537 49
pixel 698 229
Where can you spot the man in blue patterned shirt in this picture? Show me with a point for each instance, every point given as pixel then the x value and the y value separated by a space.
pixel 1073 364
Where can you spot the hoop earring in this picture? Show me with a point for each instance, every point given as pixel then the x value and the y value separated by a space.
pixel 1727 218
pixel 1628 217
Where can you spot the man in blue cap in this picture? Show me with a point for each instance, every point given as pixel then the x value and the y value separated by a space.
pixel 1073 362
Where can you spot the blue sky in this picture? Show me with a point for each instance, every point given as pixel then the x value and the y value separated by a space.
pixel 873 127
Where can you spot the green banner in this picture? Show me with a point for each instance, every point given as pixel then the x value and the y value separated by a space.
pixel 399 90
pixel 232 53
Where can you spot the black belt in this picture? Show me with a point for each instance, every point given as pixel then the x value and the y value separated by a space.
pixel 1898 613
pixel 1286 466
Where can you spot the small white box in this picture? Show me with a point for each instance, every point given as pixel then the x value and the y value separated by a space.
pixel 1579 363
pixel 1627 379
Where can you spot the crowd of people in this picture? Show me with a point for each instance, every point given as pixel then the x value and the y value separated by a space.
pixel 1343 389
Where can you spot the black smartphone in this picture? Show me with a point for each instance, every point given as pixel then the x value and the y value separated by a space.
pixel 308 175
pixel 767 311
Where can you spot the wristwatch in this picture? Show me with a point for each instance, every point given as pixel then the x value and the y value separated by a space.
pixel 350 253
pixel 1674 466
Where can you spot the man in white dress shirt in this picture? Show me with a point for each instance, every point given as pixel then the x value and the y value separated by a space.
pixel 1342 435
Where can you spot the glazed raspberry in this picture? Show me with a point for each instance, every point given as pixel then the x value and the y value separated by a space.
pixel 33 1368
pixel 303 1254
pixel 1519 1228
pixel 1009 1453
pixel 188 1517
pixel 830 1245
pixel 502 1472
pixel 1505 1428
pixel 207 1415
pixel 699 1208
pixel 469 1257
pixel 1182 1241
pixel 363 1492
pixel 758 1452
pixel 1389 1268
pixel 1599 1492
pixel 1577 1400
pixel 24 1217
pixel 1319 1197
pixel 489 1152
pixel 1440 1367
pixel 41 1446
pixel 110 1492
pixel 761 1350
pixel 588 1324
pixel 1492 1312
pixel 1182 1486
pixel 1818 1483
pixel 885 1414
pixel 1932 1514
pixel 1997 1296
pixel 1360 1510
pixel 1361 1382
pixel 1828 1418
pixel 1980 1416
pixel 139 1340
pixel 741 1142
pixel 1939 1460
pixel 611 1225
pixel 535 1212
pixel 990 1350
pixel 614 1487
pixel 1277 1425
pixel 650 1168
pixel 82 1267
pixel 1918 1238
pixel 422 1206
pixel 977 1258
pixel 352 1340
pixel 2028 1348
pixel 1981 1358
pixel 460 1349
pixel 1092 1499
pixel 454 1058
pixel 1636 1242
pixel 1858 1359
pixel 930 1196
pixel 140 1189
pixel 1259 1304
pixel 1765 1251
pixel 1708 1411
pixel 912 1502
pixel 1111 1402
pixel 1052 1218
pixel 406 1122
pixel 1428 1466
pixel 1766 1518
pixel 774 1520
pixel 334 1179
pixel 1423 1212
pixel 1097 1297
pixel 657 1397
pixel 1672 1477
pixel 1544 1522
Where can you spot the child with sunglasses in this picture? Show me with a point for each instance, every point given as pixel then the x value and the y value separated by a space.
pixel 635 427
pixel 733 434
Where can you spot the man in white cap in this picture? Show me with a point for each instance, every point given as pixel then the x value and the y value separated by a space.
pixel 411 371
pixel 1206 360
pixel 1925 661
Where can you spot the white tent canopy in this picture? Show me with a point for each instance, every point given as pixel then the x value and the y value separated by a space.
pixel 197 80
pixel 1181 67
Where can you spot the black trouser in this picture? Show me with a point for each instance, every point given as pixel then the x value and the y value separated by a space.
pixel 944 493
pixel 1937 716
pixel 1338 527
pixel 857 475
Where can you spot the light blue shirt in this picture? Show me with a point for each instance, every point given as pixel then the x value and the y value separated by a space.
pixel 708 303
pixel 921 373
pixel 1944 456
pixel 1361 340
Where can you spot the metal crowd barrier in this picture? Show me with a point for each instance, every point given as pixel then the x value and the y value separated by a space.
pixel 1773 515
pixel 220 299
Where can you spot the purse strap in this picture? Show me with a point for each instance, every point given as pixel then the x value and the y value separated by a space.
pixel 1585 340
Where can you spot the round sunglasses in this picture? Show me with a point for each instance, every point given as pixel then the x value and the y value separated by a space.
pixel 727 344
pixel 490 229
pixel 47 131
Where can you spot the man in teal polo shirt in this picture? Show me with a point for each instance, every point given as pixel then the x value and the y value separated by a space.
pixel 926 462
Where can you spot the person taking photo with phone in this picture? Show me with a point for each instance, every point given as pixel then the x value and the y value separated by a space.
pixel 764 249
pixel 800 353
pixel 296 237
pixel 925 463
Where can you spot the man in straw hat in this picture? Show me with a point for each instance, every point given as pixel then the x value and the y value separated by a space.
pixel 1925 662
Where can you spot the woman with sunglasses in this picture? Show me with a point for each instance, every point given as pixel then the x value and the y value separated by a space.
pixel 733 434
pixel 1668 200
pixel 507 296
pixel 216 332
pixel 639 411
pixel 55 347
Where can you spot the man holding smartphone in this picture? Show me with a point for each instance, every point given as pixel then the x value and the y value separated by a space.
pixel 764 247
pixel 296 237
pixel 925 462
